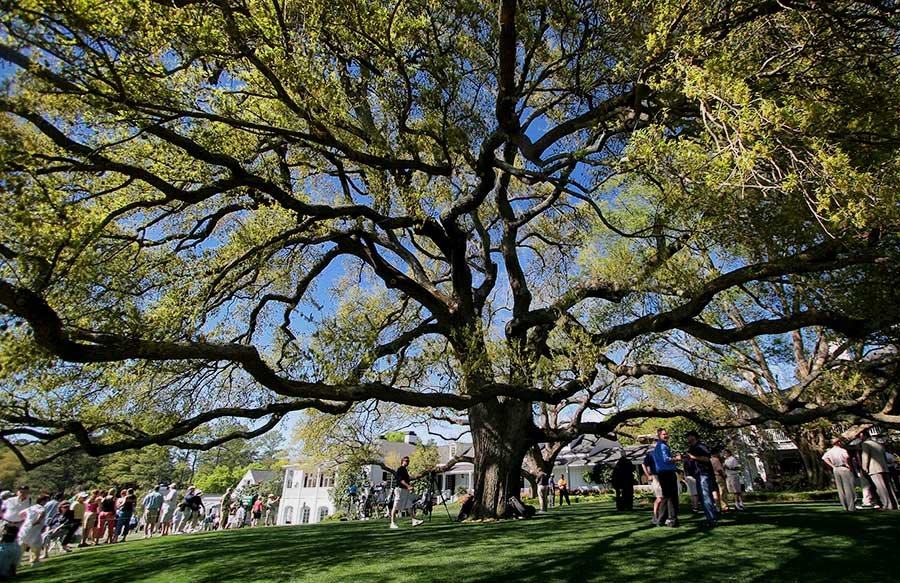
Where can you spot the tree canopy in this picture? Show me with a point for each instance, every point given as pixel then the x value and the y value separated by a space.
pixel 242 208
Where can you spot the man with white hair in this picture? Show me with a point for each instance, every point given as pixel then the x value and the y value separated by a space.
pixel 874 463
pixel 838 459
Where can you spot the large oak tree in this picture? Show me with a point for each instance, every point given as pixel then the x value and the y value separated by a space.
pixel 242 208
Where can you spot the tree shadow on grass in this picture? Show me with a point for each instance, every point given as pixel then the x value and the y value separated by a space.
pixel 583 543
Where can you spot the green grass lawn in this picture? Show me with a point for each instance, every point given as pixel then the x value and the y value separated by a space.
pixel 585 542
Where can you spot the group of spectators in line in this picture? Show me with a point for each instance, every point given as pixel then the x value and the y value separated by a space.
pixel 35 525
pixel 870 466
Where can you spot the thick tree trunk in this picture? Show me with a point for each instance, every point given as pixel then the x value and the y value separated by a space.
pixel 501 434
pixel 811 445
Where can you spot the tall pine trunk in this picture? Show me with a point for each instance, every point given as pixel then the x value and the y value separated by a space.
pixel 501 434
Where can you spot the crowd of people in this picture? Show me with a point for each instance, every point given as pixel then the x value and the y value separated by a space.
pixel 33 526
pixel 870 465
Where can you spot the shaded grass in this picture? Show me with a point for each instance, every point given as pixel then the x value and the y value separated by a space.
pixel 585 542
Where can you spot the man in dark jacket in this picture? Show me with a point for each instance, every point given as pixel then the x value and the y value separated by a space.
pixel 623 483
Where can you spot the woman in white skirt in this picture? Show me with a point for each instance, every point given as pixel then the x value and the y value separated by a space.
pixel 31 534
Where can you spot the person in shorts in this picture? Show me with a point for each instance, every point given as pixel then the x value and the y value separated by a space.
pixel 649 467
pixel 170 504
pixel 152 504
pixel 403 499
pixel 732 468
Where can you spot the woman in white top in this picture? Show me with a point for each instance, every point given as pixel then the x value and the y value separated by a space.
pixel 31 533
pixel 838 460
pixel 732 468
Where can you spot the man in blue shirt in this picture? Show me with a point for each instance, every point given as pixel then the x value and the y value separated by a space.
pixel 668 479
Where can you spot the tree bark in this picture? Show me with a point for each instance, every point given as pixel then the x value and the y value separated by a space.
pixel 502 431
pixel 811 445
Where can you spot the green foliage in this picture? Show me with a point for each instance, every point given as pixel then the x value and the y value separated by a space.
pixel 395 436
pixel 218 478
pixel 599 474
pixel 212 210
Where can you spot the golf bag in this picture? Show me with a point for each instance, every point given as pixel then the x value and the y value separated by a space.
pixel 466 508
pixel 515 508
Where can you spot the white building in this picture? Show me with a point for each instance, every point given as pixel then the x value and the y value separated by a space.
pixel 306 497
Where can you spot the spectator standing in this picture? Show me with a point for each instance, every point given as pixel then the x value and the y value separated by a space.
pixel 732 467
pixel 690 480
pixel 551 484
pixel 271 509
pixel 152 504
pixel 720 489
pixel 224 509
pixel 623 483
pixel 649 467
pixel 544 491
pixel 668 481
pixel 875 464
pixel 699 453
pixel 402 494
pixel 838 459
pixel 10 552
pixel 563 486
pixel 257 510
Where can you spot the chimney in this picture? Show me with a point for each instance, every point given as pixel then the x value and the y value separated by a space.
pixel 411 438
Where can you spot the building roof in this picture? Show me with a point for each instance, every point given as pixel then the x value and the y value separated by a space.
pixel 260 476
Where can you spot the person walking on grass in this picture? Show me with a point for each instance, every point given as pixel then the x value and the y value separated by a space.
pixel 107 520
pixel 732 468
pixel 668 480
pixel 403 495
pixel 31 535
pixel 170 504
pixel 124 511
pixel 14 507
pixel 838 459
pixel 874 463
pixel 152 504
pixel 89 522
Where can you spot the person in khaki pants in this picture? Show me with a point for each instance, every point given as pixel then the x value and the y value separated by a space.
pixel 875 464
pixel 838 459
